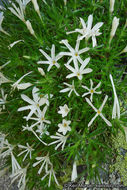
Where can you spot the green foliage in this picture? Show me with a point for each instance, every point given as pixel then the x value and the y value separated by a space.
pixel 120 164
pixel 92 146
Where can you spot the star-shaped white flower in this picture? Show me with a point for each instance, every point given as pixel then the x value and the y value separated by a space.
pixel 3 99
pixel 22 174
pixel 19 11
pixel 28 150
pixel 14 164
pixel 46 162
pixel 50 173
pixel 42 129
pixel 32 130
pixel 70 88
pixel 52 61
pixel 64 126
pixel 98 112
pixel 116 106
pixel 88 31
pixel 74 53
pixel 6 149
pixel 64 110
pixel 92 90
pixel 34 104
pixel 40 117
pixel 78 72
pixel 61 140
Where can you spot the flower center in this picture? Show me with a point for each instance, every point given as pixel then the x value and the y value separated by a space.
pixel 78 74
pixel 92 91
pixel 98 111
pixel 84 30
pixel 54 62
pixel 65 125
pixel 37 105
pixel 72 87
pixel 42 118
pixel 76 54
pixel 66 110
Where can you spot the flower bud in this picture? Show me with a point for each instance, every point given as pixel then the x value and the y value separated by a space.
pixel 29 26
pixel 115 24
pixel 74 172
pixel 36 7
pixel 111 8
pixel 41 71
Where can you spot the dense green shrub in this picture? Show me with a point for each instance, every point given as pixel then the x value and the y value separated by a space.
pixel 54 84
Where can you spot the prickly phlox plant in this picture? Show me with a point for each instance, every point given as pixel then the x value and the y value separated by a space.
pixel 63 88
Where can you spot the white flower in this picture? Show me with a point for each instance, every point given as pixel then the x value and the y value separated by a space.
pixel 14 43
pixel 42 129
pixel 34 104
pixel 41 71
pixel 1 67
pixel 74 172
pixel 115 24
pixel 88 31
pixel 40 117
pixel 116 106
pixel 46 162
pixel 78 72
pixel 64 126
pixel 91 90
pixel 1 20
pixel 50 173
pixel 15 165
pixel 98 112
pixel 21 86
pixel 71 88
pixel 3 99
pixel 61 140
pixel 19 11
pixel 6 149
pixel 74 53
pixel 64 110
pixel 31 129
pixel 22 174
pixel 111 8
pixel 36 7
pixel 28 150
pixel 52 61
pixel 29 27
pixel 3 79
